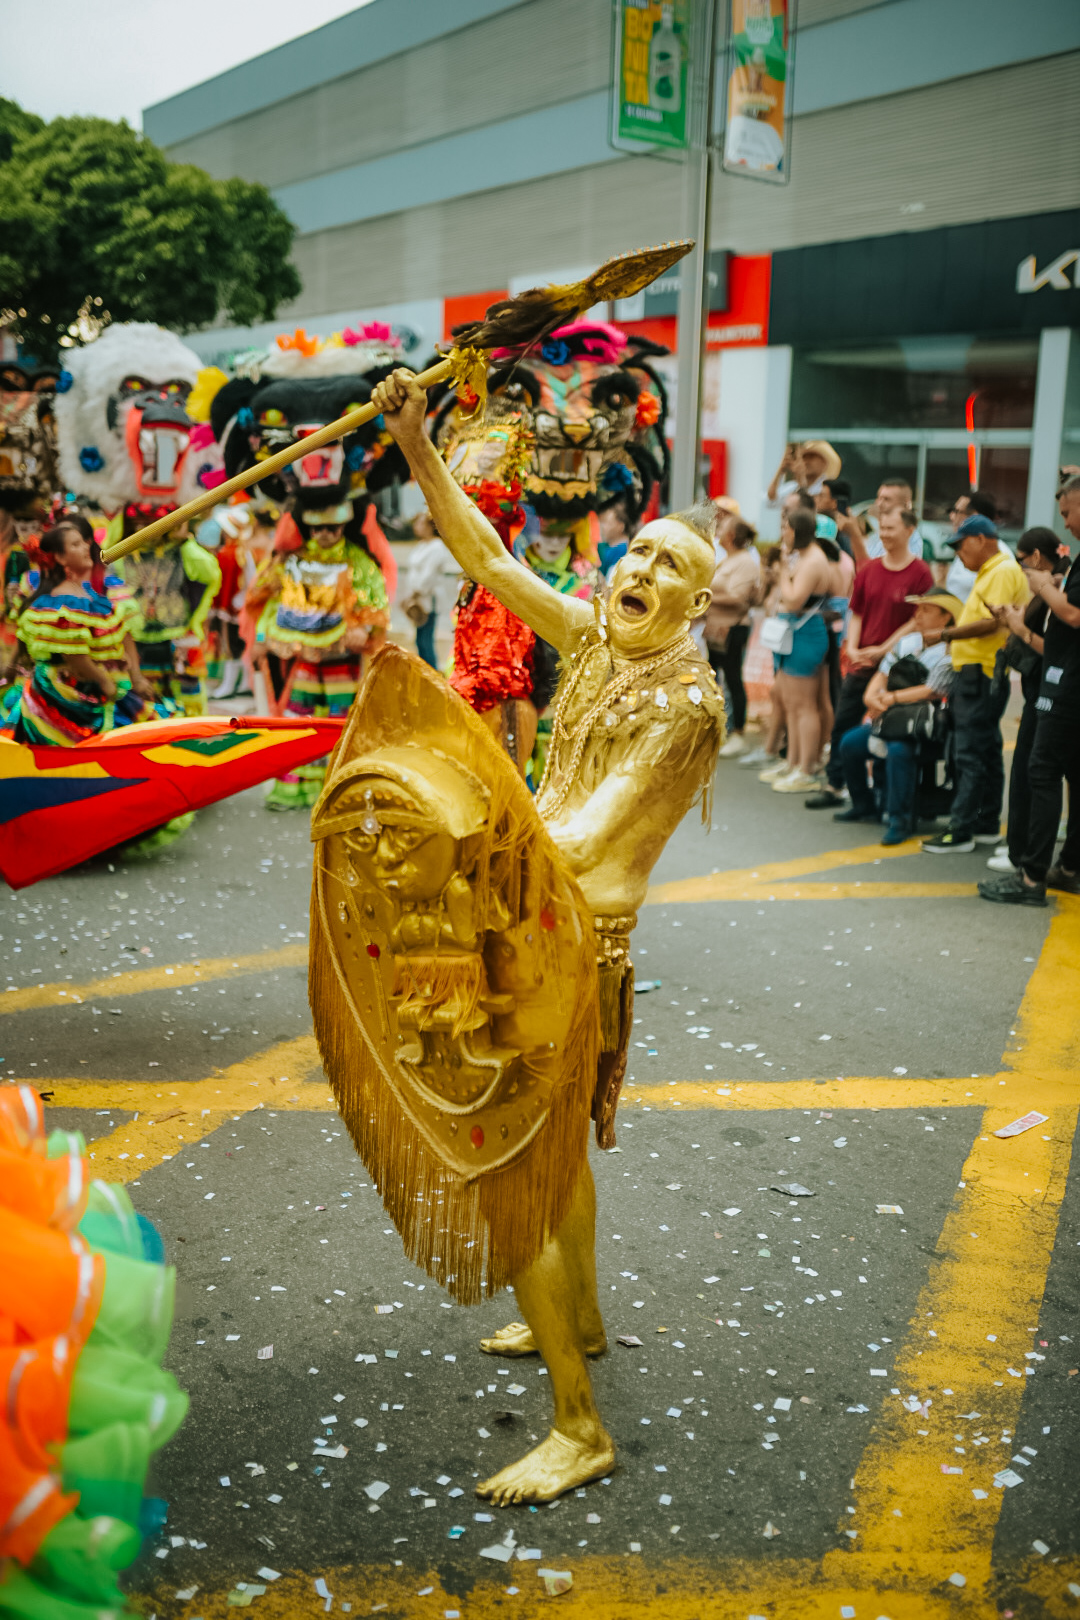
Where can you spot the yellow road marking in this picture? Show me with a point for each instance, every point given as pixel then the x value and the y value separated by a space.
pixel 170 976
pixel 989 1282
pixel 988 1276
pixel 274 1078
pixel 775 871
pixel 1050 1089
pixel 232 1089
pixel 987 1279
pixel 703 890
pixel 780 880
pixel 620 1588
pixel 1049 1020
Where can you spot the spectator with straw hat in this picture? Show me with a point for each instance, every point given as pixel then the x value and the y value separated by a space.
pixel 804 466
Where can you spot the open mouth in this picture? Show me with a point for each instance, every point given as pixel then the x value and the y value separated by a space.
pixel 632 606
pixel 568 465
pixel 323 467
pixel 158 436
pixel 162 451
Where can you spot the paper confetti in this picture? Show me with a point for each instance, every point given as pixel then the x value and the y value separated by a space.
pixel 1024 1123
pixel 556 1581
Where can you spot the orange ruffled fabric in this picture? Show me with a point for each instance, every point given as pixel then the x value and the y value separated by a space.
pixel 493 652
pixel 50 1292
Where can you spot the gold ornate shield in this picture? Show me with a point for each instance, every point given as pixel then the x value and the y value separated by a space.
pixel 453 980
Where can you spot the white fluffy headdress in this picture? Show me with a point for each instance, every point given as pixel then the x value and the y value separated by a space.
pixel 94 460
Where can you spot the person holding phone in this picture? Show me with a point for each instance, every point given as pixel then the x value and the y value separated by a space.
pixel 1055 752
pixel 803 466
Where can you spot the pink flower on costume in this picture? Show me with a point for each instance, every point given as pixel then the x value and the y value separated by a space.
pixel 371 332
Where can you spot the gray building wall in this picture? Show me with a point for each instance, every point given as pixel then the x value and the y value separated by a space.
pixel 855 172
pixel 468 79
pixel 435 147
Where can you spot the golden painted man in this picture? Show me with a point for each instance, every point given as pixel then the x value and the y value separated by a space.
pixel 488 967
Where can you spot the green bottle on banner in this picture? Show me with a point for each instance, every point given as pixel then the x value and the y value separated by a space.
pixel 665 65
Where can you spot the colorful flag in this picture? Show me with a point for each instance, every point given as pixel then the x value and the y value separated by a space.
pixel 60 806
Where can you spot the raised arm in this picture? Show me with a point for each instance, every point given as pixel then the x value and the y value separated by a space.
pixel 851 528
pixel 1042 584
pixel 466 531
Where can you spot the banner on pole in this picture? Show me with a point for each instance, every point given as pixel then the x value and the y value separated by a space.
pixel 760 70
pixel 649 72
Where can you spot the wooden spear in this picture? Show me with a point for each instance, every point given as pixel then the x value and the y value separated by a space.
pixel 513 323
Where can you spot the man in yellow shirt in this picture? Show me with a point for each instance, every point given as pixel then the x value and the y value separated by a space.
pixel 975 703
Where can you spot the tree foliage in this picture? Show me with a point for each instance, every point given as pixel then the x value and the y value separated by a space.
pixel 14 122
pixel 96 221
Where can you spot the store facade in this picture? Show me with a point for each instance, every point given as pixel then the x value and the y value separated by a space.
pixel 948 357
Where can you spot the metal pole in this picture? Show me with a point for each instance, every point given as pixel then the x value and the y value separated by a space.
pixel 693 291
pixel 920 477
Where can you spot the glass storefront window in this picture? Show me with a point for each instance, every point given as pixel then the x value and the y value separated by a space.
pixel 946 478
pixel 917 382
pixel 922 409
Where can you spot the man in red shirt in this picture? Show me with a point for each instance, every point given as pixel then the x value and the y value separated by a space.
pixel 879 614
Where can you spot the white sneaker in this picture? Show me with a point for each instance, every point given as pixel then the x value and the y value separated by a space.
pixel 755 759
pixel 794 782
pixel 771 772
pixel 232 679
pixel 999 862
pixel 735 745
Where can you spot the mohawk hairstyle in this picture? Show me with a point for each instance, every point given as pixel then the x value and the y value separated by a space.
pixel 701 518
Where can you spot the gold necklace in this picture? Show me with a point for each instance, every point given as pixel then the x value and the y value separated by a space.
pixel 682 646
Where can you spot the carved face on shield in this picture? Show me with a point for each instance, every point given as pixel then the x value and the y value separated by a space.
pixel 460 946
pixel 411 823
pixel 593 410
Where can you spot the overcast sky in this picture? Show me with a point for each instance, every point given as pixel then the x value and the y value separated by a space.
pixel 115 57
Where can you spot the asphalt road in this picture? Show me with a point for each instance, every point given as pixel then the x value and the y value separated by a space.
pixel 776 1332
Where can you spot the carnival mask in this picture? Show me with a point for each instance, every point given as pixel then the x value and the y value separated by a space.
pixel 593 411
pixel 255 419
pixel 157 431
pixel 123 429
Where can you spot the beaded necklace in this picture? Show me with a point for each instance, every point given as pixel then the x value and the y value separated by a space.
pixel 620 683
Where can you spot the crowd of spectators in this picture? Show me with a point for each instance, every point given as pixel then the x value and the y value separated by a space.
pixel 892 670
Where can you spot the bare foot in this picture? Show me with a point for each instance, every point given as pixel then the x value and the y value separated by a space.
pixel 516 1340
pixel 554 1466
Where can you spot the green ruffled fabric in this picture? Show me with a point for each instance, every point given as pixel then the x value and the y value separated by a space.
pixel 145 848
pixel 123 1407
